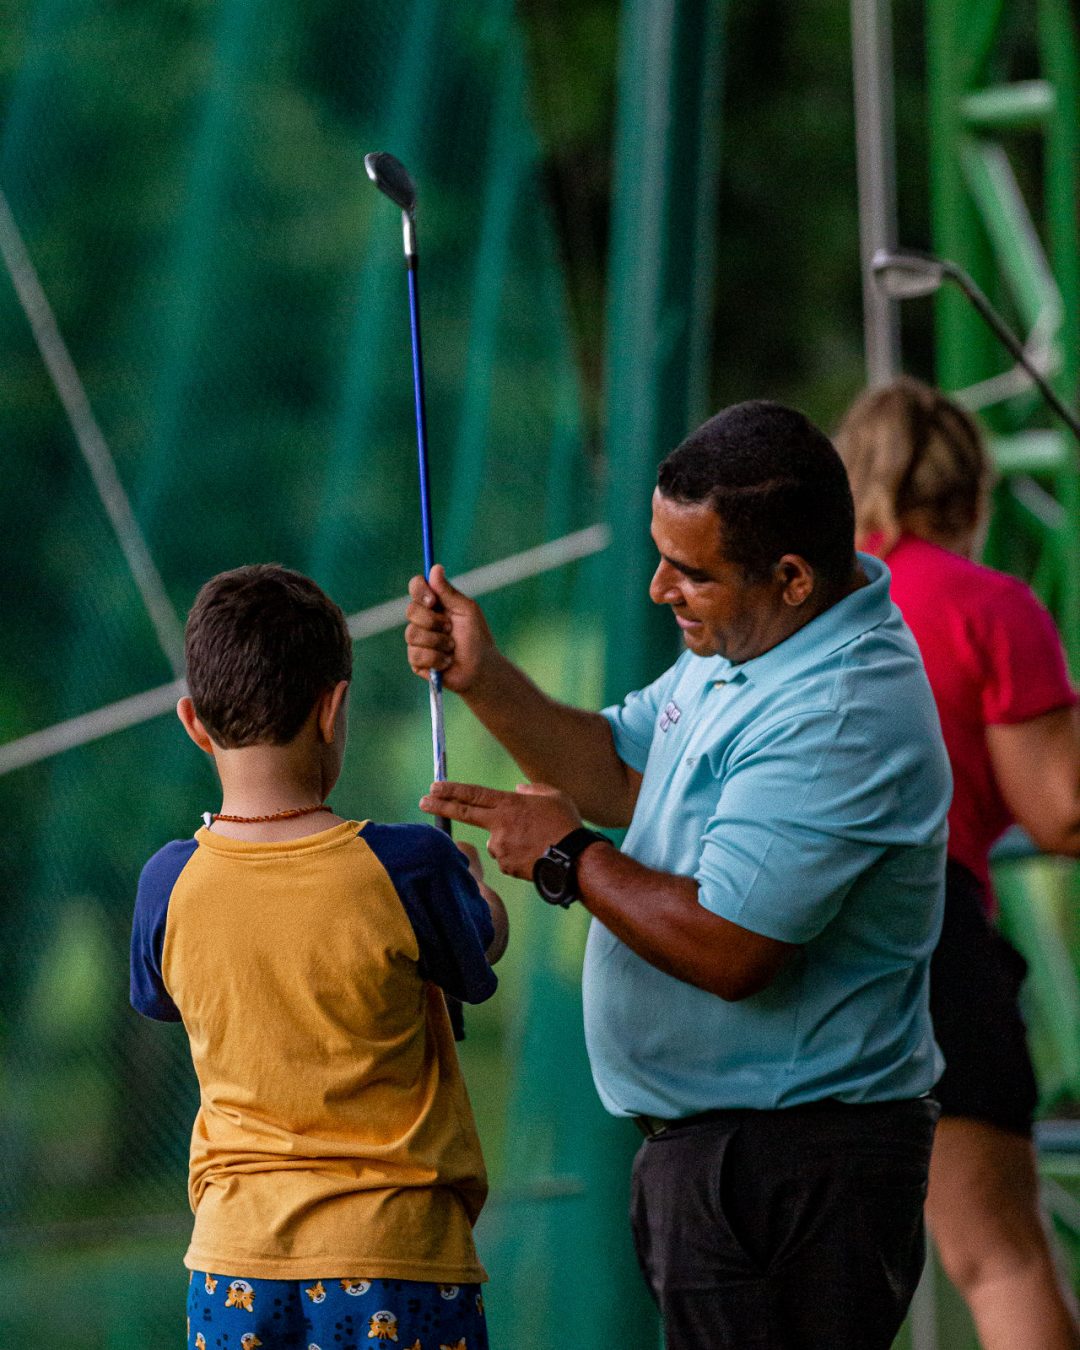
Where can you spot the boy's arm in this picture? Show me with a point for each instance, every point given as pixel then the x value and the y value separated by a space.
pixel 454 923
pixel 500 921
pixel 149 995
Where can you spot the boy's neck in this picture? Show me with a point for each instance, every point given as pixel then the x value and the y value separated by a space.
pixel 264 780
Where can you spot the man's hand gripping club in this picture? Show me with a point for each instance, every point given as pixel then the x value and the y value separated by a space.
pixel 551 741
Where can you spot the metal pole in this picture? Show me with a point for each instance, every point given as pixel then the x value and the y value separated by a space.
pixel 871 41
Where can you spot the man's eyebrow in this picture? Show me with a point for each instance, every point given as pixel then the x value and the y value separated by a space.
pixel 685 568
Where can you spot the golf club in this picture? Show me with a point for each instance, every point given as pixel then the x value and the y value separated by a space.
pixel 392 179
pixel 907 276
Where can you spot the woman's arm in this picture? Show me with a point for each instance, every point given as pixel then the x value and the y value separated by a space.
pixel 1037 767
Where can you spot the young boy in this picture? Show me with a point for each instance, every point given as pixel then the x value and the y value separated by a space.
pixel 335 1168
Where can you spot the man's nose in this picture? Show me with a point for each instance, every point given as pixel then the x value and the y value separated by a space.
pixel 663 589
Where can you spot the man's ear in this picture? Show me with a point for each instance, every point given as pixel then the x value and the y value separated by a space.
pixel 327 710
pixel 798 579
pixel 189 720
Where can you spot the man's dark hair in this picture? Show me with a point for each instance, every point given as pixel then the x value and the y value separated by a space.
pixel 262 643
pixel 777 484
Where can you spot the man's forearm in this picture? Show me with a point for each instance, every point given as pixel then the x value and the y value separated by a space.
pixel 554 743
pixel 658 916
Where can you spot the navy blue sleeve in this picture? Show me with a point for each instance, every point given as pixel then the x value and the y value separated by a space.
pixel 448 914
pixel 148 993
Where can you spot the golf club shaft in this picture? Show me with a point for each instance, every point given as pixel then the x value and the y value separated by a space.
pixel 438 731
pixel 392 178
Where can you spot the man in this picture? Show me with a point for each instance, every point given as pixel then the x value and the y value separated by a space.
pixel 755 981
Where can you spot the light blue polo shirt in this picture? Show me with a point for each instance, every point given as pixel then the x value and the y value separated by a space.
pixel 806 792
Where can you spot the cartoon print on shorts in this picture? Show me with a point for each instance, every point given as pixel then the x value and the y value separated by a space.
pixel 458 1345
pixel 382 1327
pixel 316 1293
pixel 355 1287
pixel 241 1295
pixel 449 1290
pixel 200 1341
pixel 250 1341
pixel 480 1304
pixel 210 1283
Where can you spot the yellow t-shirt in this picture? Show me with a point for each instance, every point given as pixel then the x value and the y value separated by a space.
pixel 334 1136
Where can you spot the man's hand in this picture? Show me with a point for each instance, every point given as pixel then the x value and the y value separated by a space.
pixel 521 824
pixel 454 639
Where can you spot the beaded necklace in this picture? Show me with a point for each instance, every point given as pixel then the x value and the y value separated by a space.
pixel 291 814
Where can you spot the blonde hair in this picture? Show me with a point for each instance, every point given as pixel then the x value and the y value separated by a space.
pixel 917 463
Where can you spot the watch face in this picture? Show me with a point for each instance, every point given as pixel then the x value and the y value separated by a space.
pixel 551 876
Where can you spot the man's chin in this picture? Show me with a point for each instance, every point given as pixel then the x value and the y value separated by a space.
pixel 699 641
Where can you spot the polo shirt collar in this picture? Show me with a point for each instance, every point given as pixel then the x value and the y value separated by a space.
pixel 848 619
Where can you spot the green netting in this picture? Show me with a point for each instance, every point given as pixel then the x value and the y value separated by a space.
pixel 187 178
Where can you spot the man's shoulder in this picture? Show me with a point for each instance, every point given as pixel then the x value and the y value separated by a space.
pixel 868 697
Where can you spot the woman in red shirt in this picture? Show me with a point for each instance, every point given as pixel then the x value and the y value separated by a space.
pixel 920 476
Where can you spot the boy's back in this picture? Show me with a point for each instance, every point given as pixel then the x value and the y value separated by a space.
pixel 334 1136
pixel 335 1168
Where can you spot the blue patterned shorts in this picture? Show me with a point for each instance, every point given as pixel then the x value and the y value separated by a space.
pixel 225 1313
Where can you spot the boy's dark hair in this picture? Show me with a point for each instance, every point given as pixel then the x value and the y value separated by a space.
pixel 262 643
pixel 777 484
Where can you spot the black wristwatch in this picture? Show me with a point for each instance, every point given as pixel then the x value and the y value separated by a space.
pixel 554 873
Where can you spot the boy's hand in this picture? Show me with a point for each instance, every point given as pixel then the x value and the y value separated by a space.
pixel 522 824
pixel 499 919
pixel 454 639
pixel 472 857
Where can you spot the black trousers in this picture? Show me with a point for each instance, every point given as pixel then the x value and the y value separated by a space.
pixel 799 1229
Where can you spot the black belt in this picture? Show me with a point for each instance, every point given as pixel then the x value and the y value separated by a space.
pixel 652 1126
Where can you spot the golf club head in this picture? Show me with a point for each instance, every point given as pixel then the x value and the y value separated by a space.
pixel 392 178
pixel 907 276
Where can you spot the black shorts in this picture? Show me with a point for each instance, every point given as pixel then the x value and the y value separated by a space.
pixel 975 979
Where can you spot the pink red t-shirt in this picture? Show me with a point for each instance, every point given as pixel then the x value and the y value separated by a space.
pixel 993 658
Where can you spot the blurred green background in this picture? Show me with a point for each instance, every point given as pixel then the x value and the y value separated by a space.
pixel 186 179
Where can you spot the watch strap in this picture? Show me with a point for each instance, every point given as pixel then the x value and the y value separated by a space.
pixel 575 843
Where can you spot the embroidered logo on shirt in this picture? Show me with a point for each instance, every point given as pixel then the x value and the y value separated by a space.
pixel 670 716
